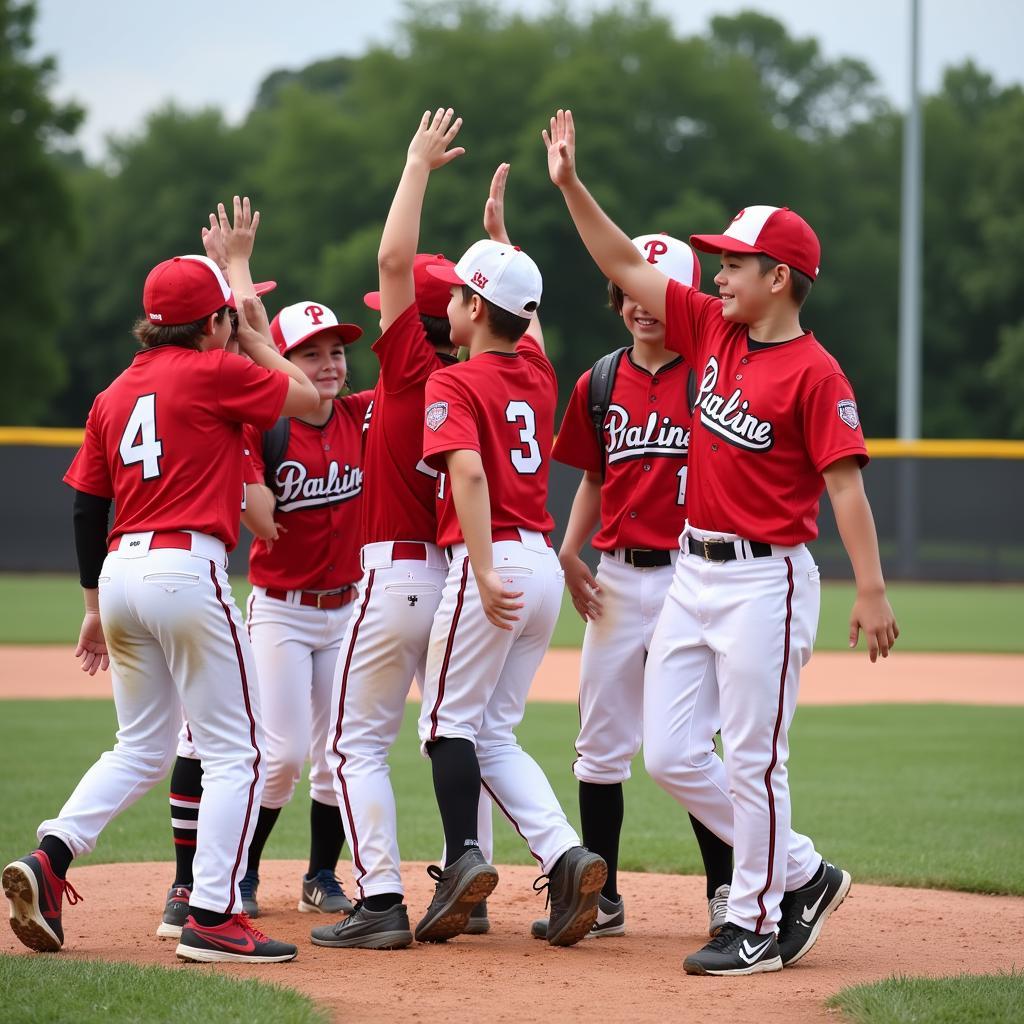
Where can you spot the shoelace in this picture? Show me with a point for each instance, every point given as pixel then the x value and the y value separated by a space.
pixel 725 937
pixel 70 892
pixel 717 903
pixel 540 884
pixel 328 883
pixel 247 886
pixel 437 874
pixel 245 923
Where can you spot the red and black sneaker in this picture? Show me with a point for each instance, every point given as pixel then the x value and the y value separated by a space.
pixel 35 894
pixel 236 941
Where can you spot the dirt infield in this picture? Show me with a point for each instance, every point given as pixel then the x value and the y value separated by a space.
pixel 830 678
pixel 508 977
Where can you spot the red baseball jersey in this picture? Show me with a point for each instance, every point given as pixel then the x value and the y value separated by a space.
pixel 768 422
pixel 398 502
pixel 164 440
pixel 646 441
pixel 502 405
pixel 317 488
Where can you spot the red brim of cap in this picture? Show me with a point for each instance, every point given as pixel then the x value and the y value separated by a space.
pixel 372 299
pixel 347 332
pixel 720 243
pixel 446 274
pixel 262 287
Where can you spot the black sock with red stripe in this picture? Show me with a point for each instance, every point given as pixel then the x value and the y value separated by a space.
pixel 186 792
pixel 457 787
pixel 264 826
pixel 716 854
pixel 326 837
pixel 601 814
pixel 59 854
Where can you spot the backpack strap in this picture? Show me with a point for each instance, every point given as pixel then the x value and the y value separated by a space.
pixel 275 444
pixel 599 395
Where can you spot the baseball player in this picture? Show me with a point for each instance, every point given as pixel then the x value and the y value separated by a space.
pixel 631 440
pixel 775 422
pixel 404 569
pixel 162 442
pixel 488 429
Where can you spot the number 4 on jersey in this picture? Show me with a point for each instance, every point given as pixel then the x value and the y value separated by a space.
pixel 139 442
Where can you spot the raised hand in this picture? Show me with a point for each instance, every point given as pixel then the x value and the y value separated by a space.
pixel 253 326
pixel 435 134
pixel 213 243
pixel 240 236
pixel 560 140
pixel 494 209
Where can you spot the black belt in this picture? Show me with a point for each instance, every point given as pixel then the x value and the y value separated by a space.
pixel 725 550
pixel 647 558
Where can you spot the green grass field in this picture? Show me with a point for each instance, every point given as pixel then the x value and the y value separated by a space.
pixel 39 609
pixel 906 795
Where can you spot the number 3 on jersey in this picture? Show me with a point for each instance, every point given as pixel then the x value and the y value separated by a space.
pixel 527 462
pixel 139 442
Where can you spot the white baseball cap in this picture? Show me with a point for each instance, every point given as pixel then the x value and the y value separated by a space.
pixel 502 274
pixel 304 320
pixel 671 256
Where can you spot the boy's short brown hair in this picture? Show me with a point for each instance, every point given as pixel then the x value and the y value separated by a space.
pixel 800 283
pixel 151 335
pixel 503 324
pixel 438 330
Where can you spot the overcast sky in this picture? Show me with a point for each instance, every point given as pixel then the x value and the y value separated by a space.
pixel 122 58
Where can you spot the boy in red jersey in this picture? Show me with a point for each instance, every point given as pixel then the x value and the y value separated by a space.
pixel 488 428
pixel 775 423
pixel 404 570
pixel 634 490
pixel 163 443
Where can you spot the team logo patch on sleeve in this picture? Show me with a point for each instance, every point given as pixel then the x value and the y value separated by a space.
pixel 847 410
pixel 438 413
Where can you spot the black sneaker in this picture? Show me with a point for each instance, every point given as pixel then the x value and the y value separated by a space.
pixel 460 887
pixel 175 912
pixel 234 941
pixel 804 912
pixel 573 888
pixel 479 923
pixel 367 929
pixel 323 894
pixel 610 922
pixel 734 950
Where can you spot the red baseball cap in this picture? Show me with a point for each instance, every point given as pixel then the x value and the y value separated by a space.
pixel 262 287
pixel 184 289
pixel 304 320
pixel 432 295
pixel 776 231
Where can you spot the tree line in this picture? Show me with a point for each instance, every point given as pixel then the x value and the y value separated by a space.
pixel 677 134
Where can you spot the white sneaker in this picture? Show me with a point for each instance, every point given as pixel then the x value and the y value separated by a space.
pixel 716 910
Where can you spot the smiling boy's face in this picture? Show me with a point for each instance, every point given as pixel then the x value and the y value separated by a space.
pixel 745 292
pixel 644 327
pixel 322 360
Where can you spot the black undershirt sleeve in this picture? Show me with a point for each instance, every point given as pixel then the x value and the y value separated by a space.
pixel 91 518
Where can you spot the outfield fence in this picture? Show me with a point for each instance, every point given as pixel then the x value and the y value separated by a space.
pixel 945 510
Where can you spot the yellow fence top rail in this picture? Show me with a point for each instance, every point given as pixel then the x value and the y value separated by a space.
pixel 879 447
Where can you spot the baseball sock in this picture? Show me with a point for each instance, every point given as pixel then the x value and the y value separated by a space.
pixel 326 837
pixel 208 918
pixel 456 774
pixel 60 856
pixel 383 901
pixel 186 792
pixel 716 854
pixel 264 826
pixel 601 814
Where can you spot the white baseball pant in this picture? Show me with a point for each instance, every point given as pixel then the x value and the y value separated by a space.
pixel 176 638
pixel 615 647
pixel 384 647
pixel 728 649
pixel 296 651
pixel 478 677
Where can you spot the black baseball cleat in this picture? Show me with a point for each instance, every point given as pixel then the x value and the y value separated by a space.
pixel 367 929
pixel 574 886
pixel 459 888
pixel 734 950
pixel 805 911
pixel 479 922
